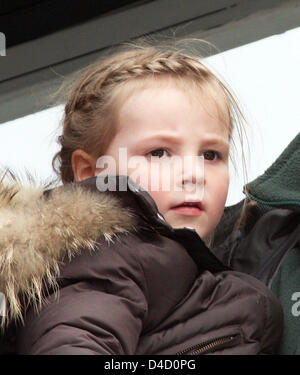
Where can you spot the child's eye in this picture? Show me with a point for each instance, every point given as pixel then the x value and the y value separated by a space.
pixel 158 153
pixel 211 155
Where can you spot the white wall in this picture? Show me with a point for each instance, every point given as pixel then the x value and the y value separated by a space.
pixel 30 142
pixel 265 77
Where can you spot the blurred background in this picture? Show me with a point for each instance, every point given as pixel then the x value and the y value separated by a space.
pixel 257 55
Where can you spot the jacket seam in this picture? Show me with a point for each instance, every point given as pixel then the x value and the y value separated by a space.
pixel 274 203
pixel 146 287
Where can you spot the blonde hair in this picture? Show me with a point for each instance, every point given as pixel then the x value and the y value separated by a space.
pixel 90 110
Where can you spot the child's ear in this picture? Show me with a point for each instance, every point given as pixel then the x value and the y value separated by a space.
pixel 83 165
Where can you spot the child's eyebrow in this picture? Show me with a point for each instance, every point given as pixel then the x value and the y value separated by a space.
pixel 162 138
pixel 208 141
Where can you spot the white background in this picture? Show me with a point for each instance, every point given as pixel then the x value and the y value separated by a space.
pixel 265 78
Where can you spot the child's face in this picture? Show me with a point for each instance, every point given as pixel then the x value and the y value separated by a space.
pixel 173 123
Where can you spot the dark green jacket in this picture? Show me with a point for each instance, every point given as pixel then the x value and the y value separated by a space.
pixel 267 246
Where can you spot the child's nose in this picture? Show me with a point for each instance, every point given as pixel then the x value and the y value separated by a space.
pixel 193 169
pixel 192 177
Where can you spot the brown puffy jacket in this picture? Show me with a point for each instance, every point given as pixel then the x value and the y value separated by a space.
pixel 94 272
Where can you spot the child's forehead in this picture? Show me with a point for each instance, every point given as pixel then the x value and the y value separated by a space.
pixel 146 110
pixel 206 93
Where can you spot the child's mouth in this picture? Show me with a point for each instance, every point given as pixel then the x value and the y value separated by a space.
pixel 188 209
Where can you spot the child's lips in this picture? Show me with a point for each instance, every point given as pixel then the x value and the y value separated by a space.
pixel 186 210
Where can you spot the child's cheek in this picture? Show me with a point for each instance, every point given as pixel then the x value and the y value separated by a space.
pixel 157 188
pixel 219 192
pixel 151 177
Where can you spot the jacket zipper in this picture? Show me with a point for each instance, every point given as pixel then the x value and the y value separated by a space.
pixel 207 345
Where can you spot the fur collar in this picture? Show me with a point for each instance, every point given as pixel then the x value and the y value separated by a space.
pixel 37 232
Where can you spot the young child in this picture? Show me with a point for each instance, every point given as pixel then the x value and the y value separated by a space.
pixel 126 270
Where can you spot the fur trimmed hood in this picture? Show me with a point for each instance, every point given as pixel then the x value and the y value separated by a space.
pixel 38 230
